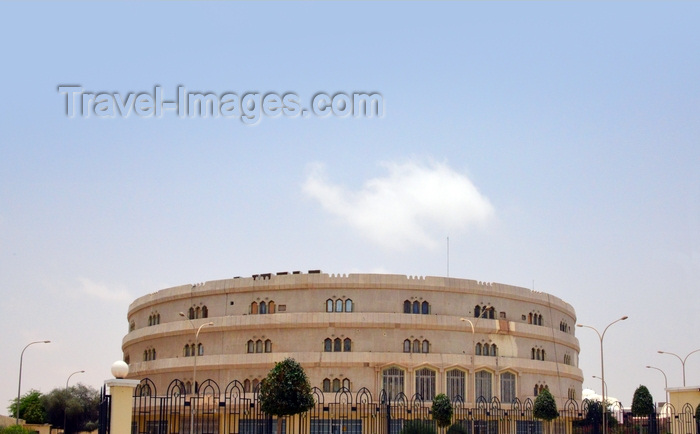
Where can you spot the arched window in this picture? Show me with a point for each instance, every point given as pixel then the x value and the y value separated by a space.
pixel 200 350
pixel 132 326
pixel 268 346
pixel 158 318
pixel 416 346
pixel 339 305
pixel 539 354
pixel 145 356
pixel 477 349
pixel 271 307
pixel 406 306
pixel 154 354
pixel 150 320
pixel 494 350
pixel 392 381
pixel 539 320
pixel 336 385
pixel 255 385
pixel 186 351
pixel 188 387
pixel 191 313
pixel 483 385
pixel 425 308
pixel 533 354
pixel 507 387
pixel 326 385
pixel 455 384
pixel 329 305
pixel 491 313
pixel 197 312
pixel 263 308
pixel 205 312
pixel 477 311
pixel 406 346
pixel 416 307
pixel 258 346
pixel 346 383
pixel 337 344
pixel 191 349
pixel 254 308
pixel 425 383
pixel 537 390
pixel 529 318
pixel 348 305
pixel 347 344
pixel 246 385
pixel 426 347
pixel 542 354
pixel 328 345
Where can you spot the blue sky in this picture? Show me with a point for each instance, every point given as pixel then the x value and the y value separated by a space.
pixel 556 144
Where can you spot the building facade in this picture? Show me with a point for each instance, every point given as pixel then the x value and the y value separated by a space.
pixel 408 335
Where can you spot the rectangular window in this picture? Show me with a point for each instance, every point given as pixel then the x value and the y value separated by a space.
pixel 455 385
pixel 483 385
pixel 425 383
pixel 507 387
pixel 392 382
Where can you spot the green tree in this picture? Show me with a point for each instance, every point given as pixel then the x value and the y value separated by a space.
pixel 286 390
pixel 545 407
pixel 14 429
pixel 418 426
pixel 30 408
pixel 594 416
pixel 642 402
pixel 79 407
pixel 457 428
pixel 442 410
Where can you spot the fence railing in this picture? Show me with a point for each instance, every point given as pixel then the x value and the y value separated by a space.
pixel 237 411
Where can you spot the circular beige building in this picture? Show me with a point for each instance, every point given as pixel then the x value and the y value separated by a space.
pixel 471 340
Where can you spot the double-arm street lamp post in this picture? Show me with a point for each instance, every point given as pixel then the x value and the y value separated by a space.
pixel 65 404
pixel 602 365
pixel 19 385
pixel 194 372
pixel 682 360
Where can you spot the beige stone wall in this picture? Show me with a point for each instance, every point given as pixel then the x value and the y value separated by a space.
pixel 377 328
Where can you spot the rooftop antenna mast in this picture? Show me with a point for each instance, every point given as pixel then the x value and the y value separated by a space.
pixel 448 256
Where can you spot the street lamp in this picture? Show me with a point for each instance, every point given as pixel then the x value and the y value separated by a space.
pixel 606 384
pixel 19 385
pixel 602 365
pixel 472 324
pixel 194 372
pixel 65 405
pixel 665 381
pixel 682 360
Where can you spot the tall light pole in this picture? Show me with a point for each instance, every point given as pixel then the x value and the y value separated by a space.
pixel 194 372
pixel 65 405
pixel 604 383
pixel 473 351
pixel 602 365
pixel 665 380
pixel 679 358
pixel 19 385
pixel 472 324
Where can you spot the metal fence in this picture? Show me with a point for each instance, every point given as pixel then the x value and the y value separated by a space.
pixel 235 411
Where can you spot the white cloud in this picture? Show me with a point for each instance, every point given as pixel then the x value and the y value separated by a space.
pixel 414 204
pixel 102 291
